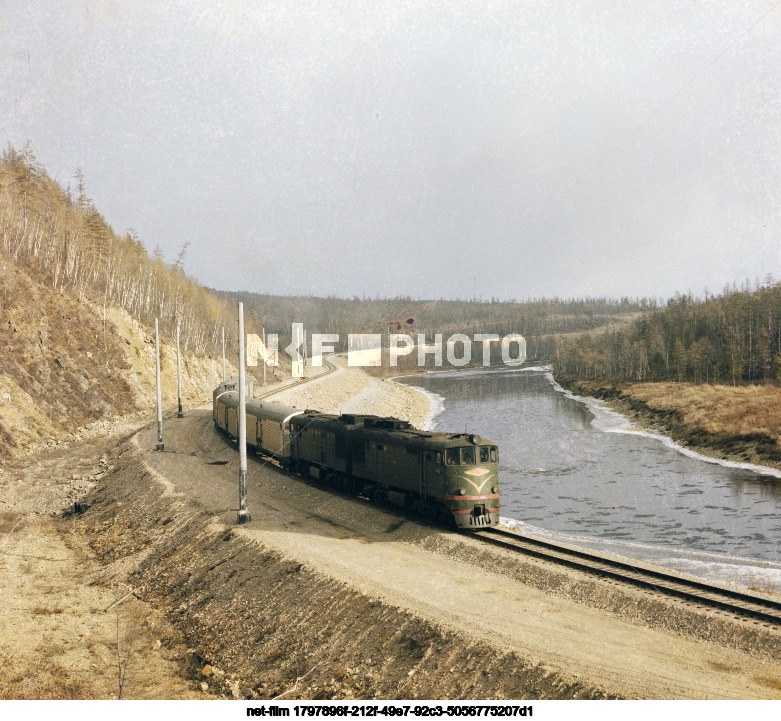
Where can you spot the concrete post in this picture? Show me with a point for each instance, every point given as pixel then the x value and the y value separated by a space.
pixel 223 354
pixel 160 445
pixel 178 374
pixel 244 515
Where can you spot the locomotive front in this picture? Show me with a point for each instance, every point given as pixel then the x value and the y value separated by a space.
pixel 470 466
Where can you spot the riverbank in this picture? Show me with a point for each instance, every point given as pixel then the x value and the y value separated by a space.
pixel 735 423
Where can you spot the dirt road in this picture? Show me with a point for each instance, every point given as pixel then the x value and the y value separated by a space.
pixel 62 632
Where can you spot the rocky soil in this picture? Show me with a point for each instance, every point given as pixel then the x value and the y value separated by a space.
pixel 66 365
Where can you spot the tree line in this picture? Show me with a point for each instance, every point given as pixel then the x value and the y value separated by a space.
pixel 67 242
pixel 402 314
pixel 733 337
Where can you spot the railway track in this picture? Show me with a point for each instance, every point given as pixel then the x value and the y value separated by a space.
pixel 300 382
pixel 746 605
pixel 761 610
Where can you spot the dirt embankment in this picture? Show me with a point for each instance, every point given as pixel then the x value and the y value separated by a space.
pixel 740 423
pixel 260 624
pixel 59 368
pixel 69 369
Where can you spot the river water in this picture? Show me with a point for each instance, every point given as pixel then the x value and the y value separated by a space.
pixel 575 471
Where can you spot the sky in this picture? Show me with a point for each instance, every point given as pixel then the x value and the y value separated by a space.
pixel 446 149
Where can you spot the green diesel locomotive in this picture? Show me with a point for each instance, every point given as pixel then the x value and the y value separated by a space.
pixel 452 477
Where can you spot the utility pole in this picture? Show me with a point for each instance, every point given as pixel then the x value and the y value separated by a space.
pixel 223 355
pixel 160 445
pixel 265 356
pixel 178 374
pixel 244 515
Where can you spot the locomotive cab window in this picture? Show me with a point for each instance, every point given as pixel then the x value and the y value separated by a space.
pixel 468 456
pixel 439 459
pixel 484 454
pixel 494 455
pixel 451 457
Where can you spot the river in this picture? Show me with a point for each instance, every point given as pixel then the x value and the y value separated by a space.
pixel 572 470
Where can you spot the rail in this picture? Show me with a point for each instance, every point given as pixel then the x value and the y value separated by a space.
pixel 758 608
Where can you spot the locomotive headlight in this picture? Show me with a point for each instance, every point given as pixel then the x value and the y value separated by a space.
pixel 494 489
pixel 461 492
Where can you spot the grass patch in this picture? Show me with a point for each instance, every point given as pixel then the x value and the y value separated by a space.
pixel 45 611
pixel 39 679
pixel 10 522
pixel 729 410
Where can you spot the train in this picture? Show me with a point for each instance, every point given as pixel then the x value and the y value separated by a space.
pixel 450 477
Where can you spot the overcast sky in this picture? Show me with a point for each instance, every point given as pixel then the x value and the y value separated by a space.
pixel 440 149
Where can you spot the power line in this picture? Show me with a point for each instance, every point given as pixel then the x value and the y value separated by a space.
pixel 632 133
pixel 693 79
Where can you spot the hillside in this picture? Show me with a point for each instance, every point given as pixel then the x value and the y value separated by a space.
pixel 731 338
pixel 77 307
pixel 65 365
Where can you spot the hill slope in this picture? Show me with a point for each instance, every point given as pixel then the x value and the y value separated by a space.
pixel 66 364
pixel 72 353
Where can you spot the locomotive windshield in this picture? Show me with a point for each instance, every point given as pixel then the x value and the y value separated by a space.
pixel 466 456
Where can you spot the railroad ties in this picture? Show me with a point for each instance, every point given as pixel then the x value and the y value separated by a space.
pixel 742 604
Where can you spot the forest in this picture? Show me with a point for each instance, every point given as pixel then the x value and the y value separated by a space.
pixel 63 239
pixel 730 338
pixel 536 319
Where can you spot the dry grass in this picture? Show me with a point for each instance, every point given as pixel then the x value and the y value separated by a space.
pixel 39 679
pixel 9 522
pixel 46 611
pixel 733 410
